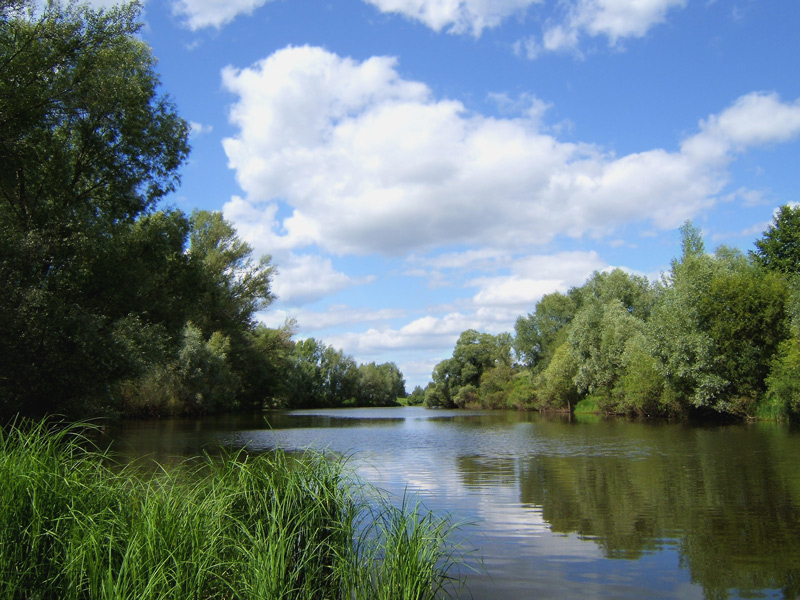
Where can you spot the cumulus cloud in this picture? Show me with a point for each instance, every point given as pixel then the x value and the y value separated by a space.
pixel 755 119
pixel 612 19
pixel 425 333
pixel 332 317
pixel 366 161
pixel 493 308
pixel 617 19
pixel 456 16
pixel 534 276
pixel 197 129
pixel 302 279
pixel 567 21
pixel 197 14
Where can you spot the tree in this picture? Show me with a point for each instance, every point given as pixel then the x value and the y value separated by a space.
pixel 640 388
pixel 380 385
pixel 87 149
pixel 555 385
pixel 474 354
pixel 716 329
pixel 233 285
pixel 598 339
pixel 539 333
pixel 634 292
pixel 306 380
pixel 496 386
pixel 230 287
pixel 779 247
pixel 416 397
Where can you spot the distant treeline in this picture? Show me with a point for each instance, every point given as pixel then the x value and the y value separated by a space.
pixel 718 335
pixel 111 303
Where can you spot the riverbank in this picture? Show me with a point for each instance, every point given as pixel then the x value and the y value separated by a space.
pixel 275 526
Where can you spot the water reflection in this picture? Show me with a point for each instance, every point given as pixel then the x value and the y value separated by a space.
pixel 563 508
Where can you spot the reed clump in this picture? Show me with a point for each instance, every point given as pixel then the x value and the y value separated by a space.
pixel 75 526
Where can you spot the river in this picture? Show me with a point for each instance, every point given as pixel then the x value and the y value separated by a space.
pixel 558 507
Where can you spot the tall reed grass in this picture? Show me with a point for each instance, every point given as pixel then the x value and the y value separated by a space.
pixel 75 526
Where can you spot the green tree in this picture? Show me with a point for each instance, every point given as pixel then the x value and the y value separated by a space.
pixel 641 386
pixel 444 385
pixel 598 339
pixel 473 355
pixel 229 287
pixel 779 247
pixel 234 287
pixel 263 362
pixel 380 385
pixel 555 385
pixel 716 329
pixel 539 333
pixel 87 149
pixel 783 383
pixel 496 386
pixel 634 292
pixel 340 378
pixel 306 381
pixel 416 397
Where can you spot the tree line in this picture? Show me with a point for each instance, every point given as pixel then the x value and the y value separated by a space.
pixel 717 335
pixel 111 302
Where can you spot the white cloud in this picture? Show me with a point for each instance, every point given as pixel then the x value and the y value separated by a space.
pixel 370 162
pixel 753 120
pixel 425 333
pixel 302 279
pixel 612 19
pixel 494 308
pixel 617 19
pixel 198 14
pixel 534 276
pixel 332 317
pixel 196 129
pixel 456 16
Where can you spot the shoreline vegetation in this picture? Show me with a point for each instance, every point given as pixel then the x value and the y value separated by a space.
pixel 270 526
pixel 716 338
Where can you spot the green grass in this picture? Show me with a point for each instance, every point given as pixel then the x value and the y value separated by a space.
pixel 586 405
pixel 270 526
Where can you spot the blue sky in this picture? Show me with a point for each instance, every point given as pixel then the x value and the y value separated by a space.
pixel 420 167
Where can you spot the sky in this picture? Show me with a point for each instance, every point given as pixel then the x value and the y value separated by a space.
pixel 417 168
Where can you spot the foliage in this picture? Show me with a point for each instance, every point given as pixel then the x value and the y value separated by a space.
pixel 598 339
pixel 457 380
pixel 539 333
pixel 87 149
pixel 495 386
pixel 640 388
pixel 783 383
pixel 416 397
pixel 199 380
pixel 266 526
pixel 718 335
pixel 717 328
pixel 521 393
pixel 233 286
pixel 319 375
pixel 779 247
pixel 224 361
pixel 555 385
pixel 380 385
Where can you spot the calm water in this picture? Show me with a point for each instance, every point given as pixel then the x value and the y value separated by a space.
pixel 580 509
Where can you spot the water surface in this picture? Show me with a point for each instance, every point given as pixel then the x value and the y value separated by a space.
pixel 560 508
